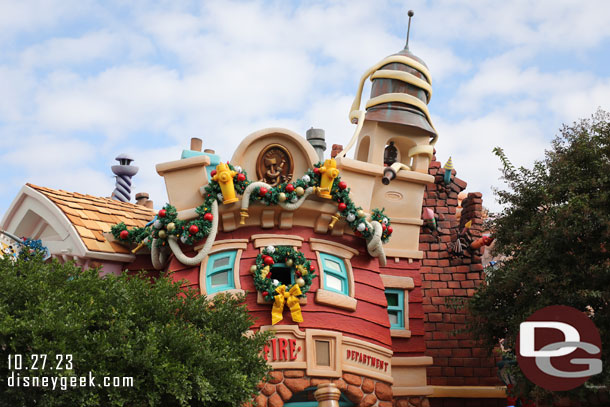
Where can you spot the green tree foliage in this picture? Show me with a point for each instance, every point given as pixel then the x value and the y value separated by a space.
pixel 180 348
pixel 553 239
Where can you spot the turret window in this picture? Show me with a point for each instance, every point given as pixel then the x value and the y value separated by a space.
pixel 220 271
pixel 335 274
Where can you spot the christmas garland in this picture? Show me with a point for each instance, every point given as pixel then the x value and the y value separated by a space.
pixel 166 223
pixel 262 270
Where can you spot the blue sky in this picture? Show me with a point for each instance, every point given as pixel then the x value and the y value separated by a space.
pixel 82 81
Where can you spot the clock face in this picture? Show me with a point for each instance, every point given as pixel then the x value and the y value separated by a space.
pixel 274 165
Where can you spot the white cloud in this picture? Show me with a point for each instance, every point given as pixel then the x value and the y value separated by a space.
pixel 95 79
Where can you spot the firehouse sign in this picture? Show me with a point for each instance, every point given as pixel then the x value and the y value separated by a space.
pixel 367 360
pixel 281 350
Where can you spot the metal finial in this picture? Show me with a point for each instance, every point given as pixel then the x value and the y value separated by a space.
pixel 410 14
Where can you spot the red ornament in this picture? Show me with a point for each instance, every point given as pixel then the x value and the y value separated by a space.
pixel 268 260
pixel 162 213
pixel 265 293
pixel 241 177
pixel 390 230
pixel 124 234
pixel 311 267
pixel 342 185
pixel 269 275
pixel 262 191
pixel 193 229
pixel 342 206
pixel 208 216
pixel 316 170
pixel 357 233
pixel 297 273
pixel 383 227
pixel 213 173
pixel 289 188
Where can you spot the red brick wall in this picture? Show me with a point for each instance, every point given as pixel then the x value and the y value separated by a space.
pixel 458 360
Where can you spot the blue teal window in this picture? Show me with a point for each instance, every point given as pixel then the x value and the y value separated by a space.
pixel 219 271
pixel 335 274
pixel 396 307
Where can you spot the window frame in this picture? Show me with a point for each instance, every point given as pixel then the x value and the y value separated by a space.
pixel 399 308
pixel 229 268
pixel 324 294
pixel 341 276
pixel 220 246
pixel 404 285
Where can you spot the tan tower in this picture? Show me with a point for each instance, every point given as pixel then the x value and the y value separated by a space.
pixel 394 144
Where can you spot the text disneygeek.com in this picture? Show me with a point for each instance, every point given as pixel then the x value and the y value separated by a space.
pixel 61 364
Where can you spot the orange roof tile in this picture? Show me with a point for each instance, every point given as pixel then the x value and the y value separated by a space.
pixel 92 216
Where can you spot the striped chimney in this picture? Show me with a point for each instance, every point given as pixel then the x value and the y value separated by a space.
pixel 123 172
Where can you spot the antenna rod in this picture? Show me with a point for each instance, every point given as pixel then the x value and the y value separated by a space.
pixel 410 14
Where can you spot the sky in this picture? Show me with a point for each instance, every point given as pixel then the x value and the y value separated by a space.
pixel 82 81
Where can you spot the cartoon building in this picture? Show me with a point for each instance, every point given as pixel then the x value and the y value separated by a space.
pixel 357 321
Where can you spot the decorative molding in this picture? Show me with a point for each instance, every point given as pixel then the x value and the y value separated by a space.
pixel 397 282
pixel 266 239
pixel 328 246
pixel 412 361
pixel 412 391
pixel 490 392
pixel 400 333
pixel 335 299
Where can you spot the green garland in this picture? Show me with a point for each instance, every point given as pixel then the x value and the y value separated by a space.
pixel 263 269
pixel 166 223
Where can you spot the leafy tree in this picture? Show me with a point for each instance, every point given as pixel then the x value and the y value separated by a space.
pixel 180 348
pixel 553 239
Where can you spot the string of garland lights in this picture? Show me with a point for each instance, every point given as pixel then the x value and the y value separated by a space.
pixel 227 181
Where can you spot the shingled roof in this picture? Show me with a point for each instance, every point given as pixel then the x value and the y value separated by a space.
pixel 92 216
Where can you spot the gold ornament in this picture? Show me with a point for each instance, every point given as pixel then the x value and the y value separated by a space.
pixel 171 227
pixel 300 191
pixel 162 234
pixel 302 269
pixel 300 282
pixel 252 269
pixel 360 213
pixel 289 263
pixel 281 197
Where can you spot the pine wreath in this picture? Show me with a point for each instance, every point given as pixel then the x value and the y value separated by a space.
pixel 263 271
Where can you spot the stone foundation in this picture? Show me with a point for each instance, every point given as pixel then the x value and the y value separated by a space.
pixel 360 390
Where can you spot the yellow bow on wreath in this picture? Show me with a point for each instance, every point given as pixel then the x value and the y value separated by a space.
pixel 292 300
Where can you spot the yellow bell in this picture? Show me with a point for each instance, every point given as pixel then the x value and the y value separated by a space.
pixel 224 177
pixel 329 172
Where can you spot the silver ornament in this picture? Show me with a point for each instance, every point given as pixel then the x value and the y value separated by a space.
pixel 361 227
pixel 157 224
pixel 306 178
pixel 350 217
pixel 270 249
